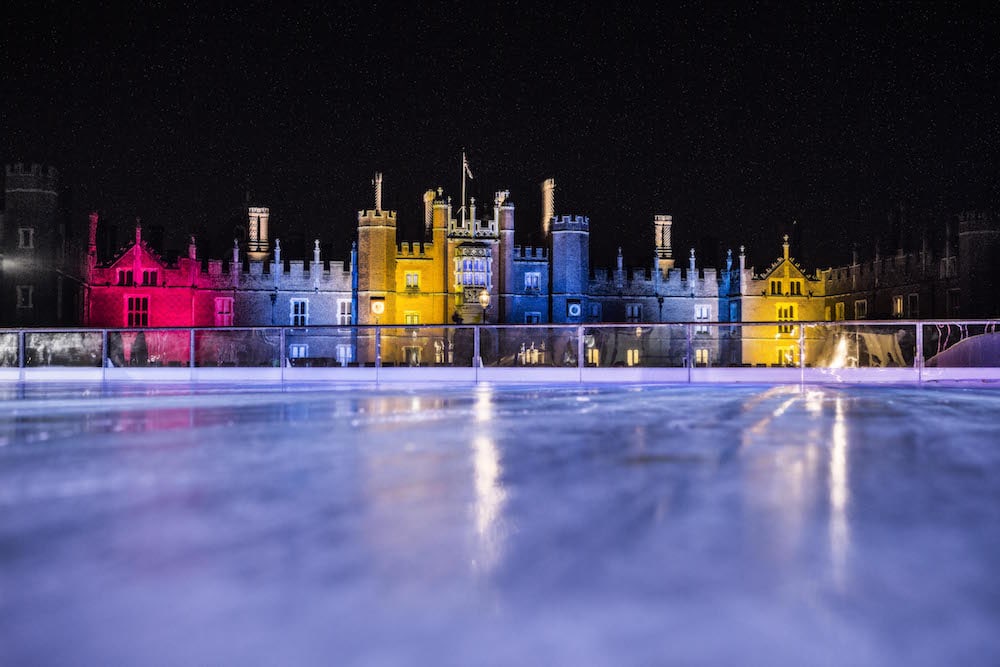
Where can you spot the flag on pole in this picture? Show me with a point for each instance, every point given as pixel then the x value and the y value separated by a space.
pixel 465 165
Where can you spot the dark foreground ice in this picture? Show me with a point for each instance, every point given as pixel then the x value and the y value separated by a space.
pixel 684 525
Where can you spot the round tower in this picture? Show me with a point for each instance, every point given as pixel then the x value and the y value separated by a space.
pixel 979 265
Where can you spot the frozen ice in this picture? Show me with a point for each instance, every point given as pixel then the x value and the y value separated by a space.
pixel 498 525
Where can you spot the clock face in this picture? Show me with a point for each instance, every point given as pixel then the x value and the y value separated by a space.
pixel 378 307
pixel 573 310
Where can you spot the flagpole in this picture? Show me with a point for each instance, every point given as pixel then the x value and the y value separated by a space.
pixel 462 209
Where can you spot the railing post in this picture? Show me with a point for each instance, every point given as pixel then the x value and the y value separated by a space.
pixel 690 349
pixel 918 355
pixel 21 362
pixel 281 353
pixel 579 351
pixel 802 354
pixel 378 352
pixel 104 355
pixel 478 357
pixel 191 360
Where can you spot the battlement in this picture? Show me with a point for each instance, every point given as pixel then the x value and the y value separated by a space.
pixel 31 176
pixel 415 249
pixel 570 223
pixel 530 253
pixel 368 214
pixel 977 221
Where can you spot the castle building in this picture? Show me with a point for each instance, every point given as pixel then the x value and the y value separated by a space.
pixel 465 268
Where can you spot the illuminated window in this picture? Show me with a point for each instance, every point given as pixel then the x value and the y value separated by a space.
pixel 786 312
pixel 702 313
pixel 775 287
pixel 840 310
pixel 343 312
pixel 826 313
pixel 345 354
pixel 411 317
pixel 298 350
pixel 299 312
pixel 412 280
pixel 796 288
pixel 897 306
pixel 861 309
pixel 149 277
pixel 633 312
pixel 913 306
pixel 532 282
pixel 26 237
pixel 701 356
pixel 633 357
pixel 593 356
pixel 786 356
pixel 532 317
pixel 137 311
pixel 124 277
pixel 25 294
pixel 473 272
pixel 224 311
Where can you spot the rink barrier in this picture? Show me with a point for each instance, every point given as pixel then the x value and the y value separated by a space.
pixel 852 352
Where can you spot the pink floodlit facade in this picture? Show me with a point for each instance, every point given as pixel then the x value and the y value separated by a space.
pixel 140 290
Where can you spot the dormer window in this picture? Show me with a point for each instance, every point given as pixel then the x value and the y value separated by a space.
pixel 149 278
pixel 795 288
pixel 125 277
pixel 776 287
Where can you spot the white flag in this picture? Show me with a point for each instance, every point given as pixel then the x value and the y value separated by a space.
pixel 465 165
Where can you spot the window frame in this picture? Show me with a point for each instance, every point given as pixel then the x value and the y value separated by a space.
pixel 300 319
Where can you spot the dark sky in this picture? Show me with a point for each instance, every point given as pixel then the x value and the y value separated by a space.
pixel 738 121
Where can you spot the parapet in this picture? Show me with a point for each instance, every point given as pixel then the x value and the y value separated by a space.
pixel 570 223
pixel 530 252
pixel 34 176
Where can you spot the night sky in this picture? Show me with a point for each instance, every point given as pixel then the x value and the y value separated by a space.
pixel 743 123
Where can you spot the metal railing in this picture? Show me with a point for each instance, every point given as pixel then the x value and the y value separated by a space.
pixel 846 351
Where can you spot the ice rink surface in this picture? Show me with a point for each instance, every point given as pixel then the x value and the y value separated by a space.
pixel 611 525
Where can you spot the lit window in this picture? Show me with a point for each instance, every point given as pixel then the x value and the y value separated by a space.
pixel 299 313
pixel 701 356
pixel 593 356
pixel 298 350
pixel 137 311
pixel 25 294
pixel 124 277
pixel 224 311
pixel 913 306
pixel 633 357
pixel 532 282
pixel 26 237
pixel 473 272
pixel 775 287
pixel 786 312
pixel 897 306
pixel 345 354
pixel 149 277
pixel 702 313
pixel 786 356
pixel 411 317
pixel 840 310
pixel 532 318
pixel 343 312
pixel 861 309
pixel 633 312
pixel 412 280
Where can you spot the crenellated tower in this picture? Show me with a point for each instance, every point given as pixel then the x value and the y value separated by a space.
pixel 570 267
pixel 376 260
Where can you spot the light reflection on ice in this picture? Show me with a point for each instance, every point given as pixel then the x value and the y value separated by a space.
pixel 698 525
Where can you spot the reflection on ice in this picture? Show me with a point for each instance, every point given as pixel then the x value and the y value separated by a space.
pixel 532 525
